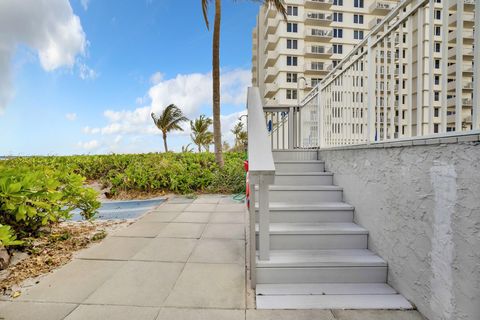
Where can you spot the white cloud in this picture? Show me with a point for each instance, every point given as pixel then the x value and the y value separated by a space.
pixel 191 91
pixel 85 4
pixel 71 116
pixel 89 145
pixel 85 72
pixel 48 27
pixel 228 122
pixel 156 78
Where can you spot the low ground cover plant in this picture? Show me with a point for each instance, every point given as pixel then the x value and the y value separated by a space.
pixel 40 191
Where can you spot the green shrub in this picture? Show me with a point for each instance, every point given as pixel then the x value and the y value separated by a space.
pixel 33 197
pixel 7 237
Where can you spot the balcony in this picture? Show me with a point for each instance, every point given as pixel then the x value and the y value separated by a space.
pixel 270 90
pixel 318 18
pixel 271 42
pixel 467 53
pixel 318 51
pixel 374 22
pixel 270 74
pixel 469 5
pixel 271 26
pixel 381 7
pixel 318 34
pixel 468 19
pixel 318 4
pixel 316 67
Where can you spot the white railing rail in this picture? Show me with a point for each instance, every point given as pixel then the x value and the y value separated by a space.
pixel 389 88
pixel 262 174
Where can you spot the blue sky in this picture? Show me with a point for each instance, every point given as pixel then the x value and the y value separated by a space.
pixel 83 76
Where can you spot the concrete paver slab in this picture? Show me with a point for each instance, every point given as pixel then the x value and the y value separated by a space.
pixel 167 249
pixel 227 217
pixel 35 310
pixel 72 283
pixel 138 283
pixel 201 207
pixel 238 207
pixel 192 216
pixel 115 248
pixel 200 314
pixel 219 251
pixel 225 231
pixel 159 216
pixel 209 286
pixel 377 315
pixel 144 229
pixel 172 207
pixel 289 314
pixel 229 200
pixel 206 199
pixel 182 230
pixel 103 312
pixel 176 199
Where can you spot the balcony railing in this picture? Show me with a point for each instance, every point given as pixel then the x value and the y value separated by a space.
pixel 361 100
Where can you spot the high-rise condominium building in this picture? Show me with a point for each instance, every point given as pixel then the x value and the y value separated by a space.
pixel 290 57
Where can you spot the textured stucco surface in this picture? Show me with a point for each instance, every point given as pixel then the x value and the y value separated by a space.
pixel 421 205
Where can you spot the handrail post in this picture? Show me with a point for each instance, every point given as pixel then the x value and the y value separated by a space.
pixel 253 242
pixel 371 92
pixel 291 127
pixel 264 219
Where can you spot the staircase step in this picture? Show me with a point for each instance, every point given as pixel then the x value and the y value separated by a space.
pixel 322 258
pixel 323 288
pixel 303 178
pixel 312 236
pixel 304 194
pixel 292 155
pixel 346 301
pixel 310 213
pixel 299 166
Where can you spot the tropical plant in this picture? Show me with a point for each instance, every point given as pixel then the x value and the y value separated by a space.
pixel 187 148
pixel 7 237
pixel 217 132
pixel 226 146
pixel 200 134
pixel 237 129
pixel 169 120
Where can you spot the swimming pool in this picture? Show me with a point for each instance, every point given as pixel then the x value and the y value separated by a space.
pixel 124 209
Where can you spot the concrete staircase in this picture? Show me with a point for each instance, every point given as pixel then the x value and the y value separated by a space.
pixel 319 257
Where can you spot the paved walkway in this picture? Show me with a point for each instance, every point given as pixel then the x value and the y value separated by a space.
pixel 183 260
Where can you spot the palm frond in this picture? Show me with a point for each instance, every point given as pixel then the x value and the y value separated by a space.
pixel 205 4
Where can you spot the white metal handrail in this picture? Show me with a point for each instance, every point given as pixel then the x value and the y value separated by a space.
pixel 390 89
pixel 261 173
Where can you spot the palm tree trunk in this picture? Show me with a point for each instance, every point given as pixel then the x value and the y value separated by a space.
pixel 217 130
pixel 199 148
pixel 165 141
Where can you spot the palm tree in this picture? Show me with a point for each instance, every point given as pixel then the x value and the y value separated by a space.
pixel 200 133
pixel 169 120
pixel 237 129
pixel 207 140
pixel 217 133
pixel 243 140
pixel 225 146
pixel 187 148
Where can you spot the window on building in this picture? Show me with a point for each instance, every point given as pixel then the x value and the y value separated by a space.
pixel 292 11
pixel 315 81
pixel 335 63
pixel 338 48
pixel 436 96
pixel 437 64
pixel 338 16
pixel 292 44
pixel 358 3
pixel 436 112
pixel 292 61
pixel 292 27
pixel 337 33
pixel 358 34
pixel 435 128
pixel 292 77
pixel 437 47
pixel 338 2
pixel 438 14
pixel 358 18
pixel 291 94
pixel 437 80
pixel 438 31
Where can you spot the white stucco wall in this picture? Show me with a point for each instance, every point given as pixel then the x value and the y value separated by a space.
pixel 421 205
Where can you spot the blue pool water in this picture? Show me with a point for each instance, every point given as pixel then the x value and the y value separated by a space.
pixel 122 209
